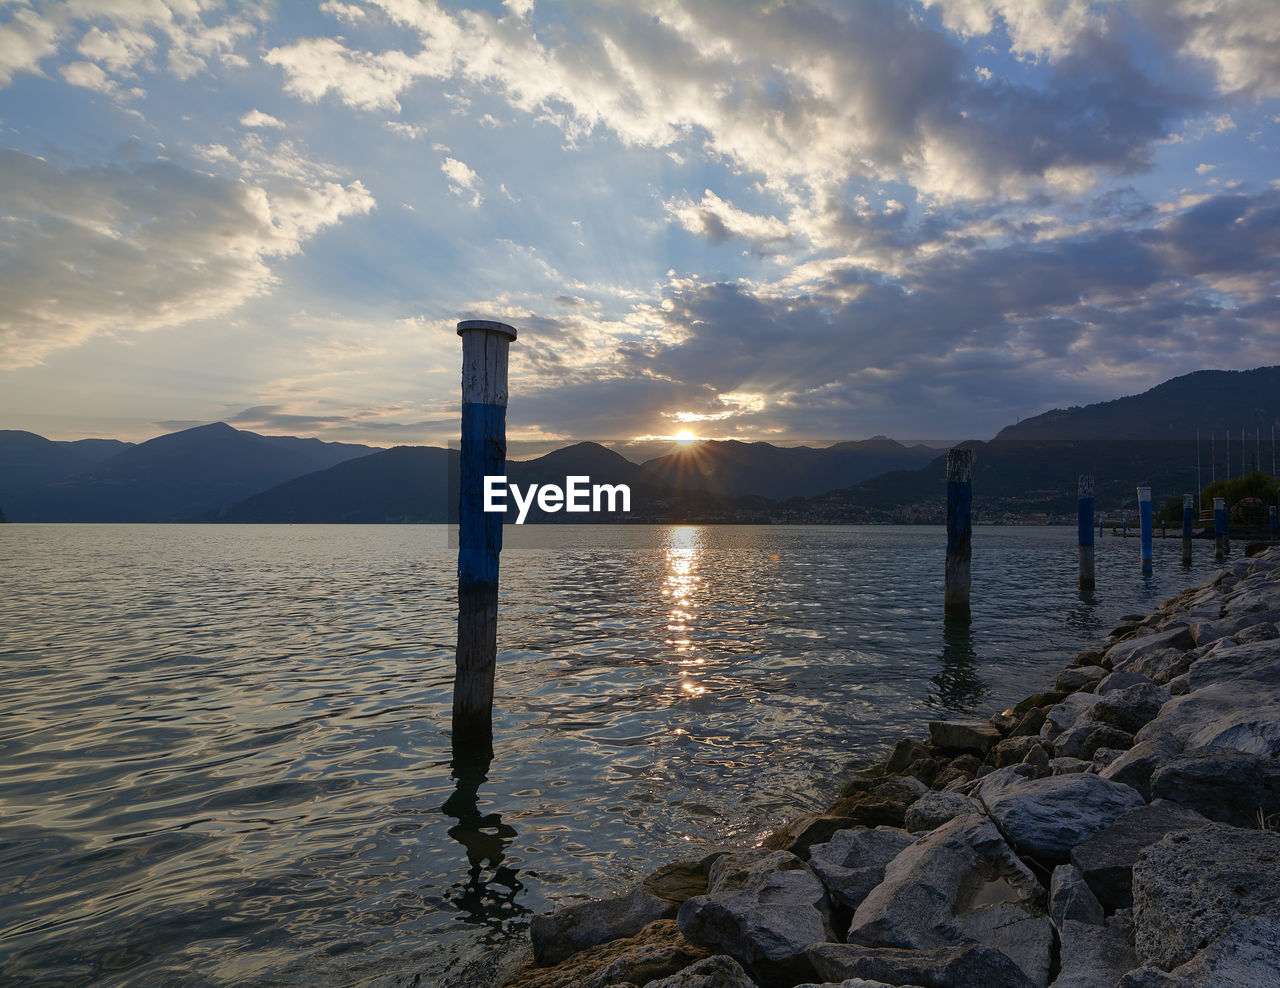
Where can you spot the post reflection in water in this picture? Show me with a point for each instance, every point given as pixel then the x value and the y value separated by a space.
pixel 958 685
pixel 681 584
pixel 488 896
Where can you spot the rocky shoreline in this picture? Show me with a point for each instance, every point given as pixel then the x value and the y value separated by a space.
pixel 1118 830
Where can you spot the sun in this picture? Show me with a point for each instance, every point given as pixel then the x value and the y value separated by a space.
pixel 684 437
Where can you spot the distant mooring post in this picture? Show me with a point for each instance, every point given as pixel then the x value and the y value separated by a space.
pixel 484 453
pixel 1271 512
pixel 1188 512
pixel 1085 495
pixel 1221 538
pixel 1144 520
pixel 955 597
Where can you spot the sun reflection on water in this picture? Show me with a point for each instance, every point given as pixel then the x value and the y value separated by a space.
pixel 681 585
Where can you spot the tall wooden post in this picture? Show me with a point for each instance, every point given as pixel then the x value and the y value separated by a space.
pixel 1188 509
pixel 484 453
pixel 955 599
pixel 1085 527
pixel 1144 522
pixel 1221 537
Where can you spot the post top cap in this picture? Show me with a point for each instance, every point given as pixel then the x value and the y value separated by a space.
pixel 488 325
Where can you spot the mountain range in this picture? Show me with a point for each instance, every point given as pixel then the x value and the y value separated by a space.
pixel 218 473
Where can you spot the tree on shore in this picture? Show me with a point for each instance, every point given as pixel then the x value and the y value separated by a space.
pixel 1247 499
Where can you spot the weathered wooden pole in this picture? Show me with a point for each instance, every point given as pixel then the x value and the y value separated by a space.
pixel 484 453
pixel 955 599
pixel 1188 509
pixel 1084 492
pixel 1144 522
pixel 1221 537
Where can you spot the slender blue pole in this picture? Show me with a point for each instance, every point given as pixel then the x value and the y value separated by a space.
pixel 1188 509
pixel 1144 520
pixel 484 453
pixel 1222 536
pixel 1085 530
pixel 1272 512
pixel 955 601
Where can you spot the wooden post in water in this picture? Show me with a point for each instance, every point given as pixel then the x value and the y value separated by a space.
pixel 1085 529
pixel 1221 537
pixel 484 453
pixel 955 597
pixel 1144 522
pixel 1188 508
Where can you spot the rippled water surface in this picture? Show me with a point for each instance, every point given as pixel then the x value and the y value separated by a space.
pixel 225 756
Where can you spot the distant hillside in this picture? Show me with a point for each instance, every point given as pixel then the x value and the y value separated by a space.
pixel 420 484
pixel 178 476
pixel 28 461
pixel 401 485
pixel 737 469
pixel 1018 477
pixel 1208 400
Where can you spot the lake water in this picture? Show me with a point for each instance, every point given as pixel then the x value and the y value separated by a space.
pixel 225 753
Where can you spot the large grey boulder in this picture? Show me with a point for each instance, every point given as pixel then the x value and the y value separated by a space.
pixel 1106 859
pixel 1120 680
pixel 1070 898
pixel 1241 713
pixel 958 884
pixel 937 967
pixel 718 971
pixel 1247 955
pixel 1130 709
pixel 1077 678
pixel 1065 714
pixel 1225 785
pixel 762 910
pixel 1083 739
pixel 1190 887
pixel 976 737
pixel 1127 655
pixel 852 863
pixel 1231 661
pixel 1045 818
pixel 933 809
pixel 1135 767
pixel 561 934
pixel 1094 955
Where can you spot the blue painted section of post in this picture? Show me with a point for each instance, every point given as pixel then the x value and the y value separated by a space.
pixel 1144 521
pixel 1124 527
pixel 1222 537
pixel 1274 524
pixel 955 602
pixel 1188 522
pixel 483 453
pixel 1084 529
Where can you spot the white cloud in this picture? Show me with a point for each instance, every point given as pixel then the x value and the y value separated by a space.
pixel 88 75
pixel 1204 169
pixel 256 118
pixel 25 39
pixel 106 250
pixel 409 131
pixel 462 180
pixel 718 220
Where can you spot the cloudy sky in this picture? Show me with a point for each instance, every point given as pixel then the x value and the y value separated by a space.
pixel 792 220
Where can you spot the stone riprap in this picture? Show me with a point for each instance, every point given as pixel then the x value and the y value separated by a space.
pixel 1120 830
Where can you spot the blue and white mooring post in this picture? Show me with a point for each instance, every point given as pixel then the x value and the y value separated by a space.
pixel 955 593
pixel 1144 521
pixel 1221 535
pixel 1085 502
pixel 1188 511
pixel 484 453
